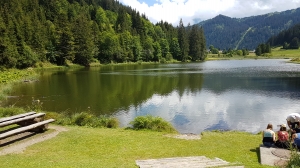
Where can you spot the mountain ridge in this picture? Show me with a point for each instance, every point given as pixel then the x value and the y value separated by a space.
pixel 224 32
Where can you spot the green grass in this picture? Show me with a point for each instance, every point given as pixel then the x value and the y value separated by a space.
pixel 14 75
pixel 7 112
pixel 100 147
pixel 277 53
pixel 234 57
pixel 9 77
pixel 152 123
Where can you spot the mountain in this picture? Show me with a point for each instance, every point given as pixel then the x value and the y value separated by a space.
pixel 286 37
pixel 236 33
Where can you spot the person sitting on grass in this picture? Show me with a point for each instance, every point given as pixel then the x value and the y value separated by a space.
pixel 268 136
pixel 283 138
pixel 296 129
pixel 296 140
pixel 293 120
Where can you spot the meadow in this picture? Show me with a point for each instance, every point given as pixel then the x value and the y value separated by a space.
pixel 103 147
pixel 277 53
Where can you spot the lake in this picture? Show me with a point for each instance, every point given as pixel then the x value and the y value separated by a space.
pixel 241 95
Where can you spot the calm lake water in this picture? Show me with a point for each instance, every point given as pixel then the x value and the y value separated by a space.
pixel 229 94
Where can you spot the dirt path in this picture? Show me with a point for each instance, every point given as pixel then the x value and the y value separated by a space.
pixel 21 146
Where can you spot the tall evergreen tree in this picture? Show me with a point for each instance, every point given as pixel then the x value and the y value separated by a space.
pixel 183 41
pixel 268 48
pixel 258 50
pixel 136 48
pixel 156 52
pixel 203 45
pixel 102 20
pixel 195 43
pixel 175 49
pixel 7 50
pixel 294 43
pixel 83 41
pixel 164 47
pixel 65 42
pixel 148 50
pixel 123 22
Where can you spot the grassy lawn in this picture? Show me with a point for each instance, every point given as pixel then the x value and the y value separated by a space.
pixel 277 53
pixel 100 147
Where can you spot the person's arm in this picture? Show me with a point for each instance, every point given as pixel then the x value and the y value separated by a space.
pixel 274 137
pixel 294 136
pixel 288 123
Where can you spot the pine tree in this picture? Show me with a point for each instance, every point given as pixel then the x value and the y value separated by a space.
pixel 123 22
pixel 83 41
pixel 268 48
pixel 294 43
pixel 157 52
pixel 7 50
pixel 258 50
pixel 148 50
pixel 203 45
pixel 175 49
pixel 164 47
pixel 183 41
pixel 195 43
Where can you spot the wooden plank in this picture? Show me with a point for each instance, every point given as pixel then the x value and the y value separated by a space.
pixel 26 128
pixel 21 119
pixel 16 116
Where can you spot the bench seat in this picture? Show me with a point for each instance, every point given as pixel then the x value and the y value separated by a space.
pixel 16 116
pixel 41 125
pixel 22 119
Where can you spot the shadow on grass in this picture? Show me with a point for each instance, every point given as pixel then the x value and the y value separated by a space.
pixel 15 138
pixel 257 153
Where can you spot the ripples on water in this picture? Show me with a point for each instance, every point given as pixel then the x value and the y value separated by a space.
pixel 228 95
pixel 236 95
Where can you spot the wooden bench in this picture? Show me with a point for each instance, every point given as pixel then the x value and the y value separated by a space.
pixel 16 116
pixel 23 121
pixel 30 121
pixel 41 125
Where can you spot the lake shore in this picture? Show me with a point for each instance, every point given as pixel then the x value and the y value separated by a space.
pixel 121 147
pixel 277 53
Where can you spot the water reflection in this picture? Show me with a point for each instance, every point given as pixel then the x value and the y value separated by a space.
pixel 205 110
pixel 229 95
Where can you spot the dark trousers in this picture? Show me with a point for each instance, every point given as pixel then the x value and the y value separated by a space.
pixel 284 145
pixel 294 124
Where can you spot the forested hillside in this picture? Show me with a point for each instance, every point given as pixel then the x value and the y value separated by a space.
pixel 288 39
pixel 86 31
pixel 224 32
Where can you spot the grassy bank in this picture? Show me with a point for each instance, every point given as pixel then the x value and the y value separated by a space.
pixel 10 77
pixel 119 147
pixel 100 147
pixel 277 53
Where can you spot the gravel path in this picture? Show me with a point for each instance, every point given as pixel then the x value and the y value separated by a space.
pixel 21 146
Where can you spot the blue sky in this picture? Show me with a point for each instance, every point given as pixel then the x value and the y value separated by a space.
pixel 149 2
pixel 192 11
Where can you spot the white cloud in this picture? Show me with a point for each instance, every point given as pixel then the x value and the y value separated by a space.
pixel 190 10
